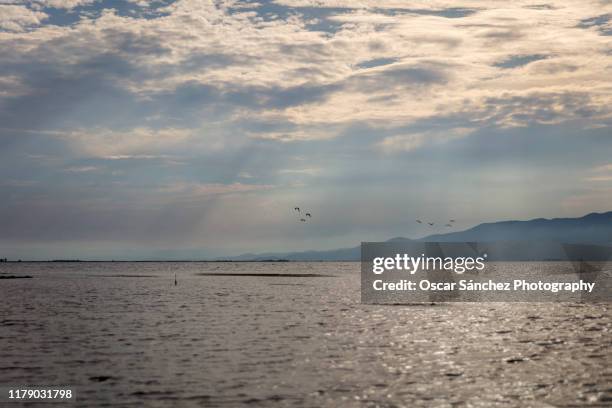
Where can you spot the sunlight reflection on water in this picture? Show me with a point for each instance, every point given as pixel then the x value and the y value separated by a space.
pixel 123 334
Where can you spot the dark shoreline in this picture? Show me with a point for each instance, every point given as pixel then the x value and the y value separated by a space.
pixel 268 275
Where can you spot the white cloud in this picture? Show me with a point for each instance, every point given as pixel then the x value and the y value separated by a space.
pixel 262 67
pixel 309 171
pixel 600 178
pixel 603 168
pixel 601 173
pixel 18 18
pixel 196 190
pixel 409 142
pixel 63 4
pixel 139 143
pixel 81 169
pixel 402 143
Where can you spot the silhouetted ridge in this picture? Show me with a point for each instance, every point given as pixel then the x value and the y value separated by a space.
pixel 593 228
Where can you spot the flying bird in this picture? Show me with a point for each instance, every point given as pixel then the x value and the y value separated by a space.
pixel 308 215
pixel 303 219
pixel 419 221
pixel 451 220
pixel 297 209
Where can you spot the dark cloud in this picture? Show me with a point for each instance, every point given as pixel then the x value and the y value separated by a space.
pixel 519 60
pixel 417 74
pixel 195 95
pixel 310 52
pixel 315 18
pixel 538 108
pixel 601 23
pixel 451 12
pixel 403 76
pixel 87 89
pixel 537 145
pixel 132 44
pixel 377 62
pixel 502 35
pixel 541 7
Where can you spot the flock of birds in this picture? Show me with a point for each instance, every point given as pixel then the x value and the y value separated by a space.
pixel 304 217
pixel 431 224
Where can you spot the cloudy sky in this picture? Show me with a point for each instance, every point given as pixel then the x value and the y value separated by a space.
pixel 139 129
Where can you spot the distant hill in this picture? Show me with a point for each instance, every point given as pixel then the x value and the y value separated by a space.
pixel 343 254
pixel 594 228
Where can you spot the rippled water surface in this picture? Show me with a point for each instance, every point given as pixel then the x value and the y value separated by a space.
pixel 123 335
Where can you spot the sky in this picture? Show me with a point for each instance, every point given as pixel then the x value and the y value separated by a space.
pixel 188 129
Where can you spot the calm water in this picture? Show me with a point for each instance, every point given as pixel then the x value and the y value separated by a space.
pixel 123 335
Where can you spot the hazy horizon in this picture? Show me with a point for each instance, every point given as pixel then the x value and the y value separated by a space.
pixel 133 129
pixel 201 254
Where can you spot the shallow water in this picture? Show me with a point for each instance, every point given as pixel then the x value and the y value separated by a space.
pixel 123 335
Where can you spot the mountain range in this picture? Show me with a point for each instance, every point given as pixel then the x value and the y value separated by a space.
pixel 533 239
